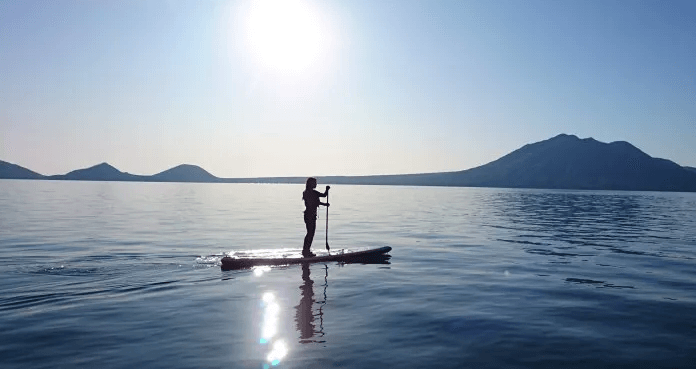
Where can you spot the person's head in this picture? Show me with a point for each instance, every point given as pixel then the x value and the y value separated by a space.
pixel 311 183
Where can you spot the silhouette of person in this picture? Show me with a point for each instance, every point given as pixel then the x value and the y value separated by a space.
pixel 311 200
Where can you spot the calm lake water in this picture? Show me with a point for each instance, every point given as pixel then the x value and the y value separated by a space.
pixel 126 275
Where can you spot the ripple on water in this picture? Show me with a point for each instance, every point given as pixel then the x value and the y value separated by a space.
pixel 484 278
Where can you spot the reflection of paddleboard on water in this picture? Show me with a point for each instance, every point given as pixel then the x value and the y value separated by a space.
pixel 250 258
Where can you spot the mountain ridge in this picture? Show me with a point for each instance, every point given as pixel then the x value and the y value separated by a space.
pixel 561 162
pixel 187 172
pixel 14 171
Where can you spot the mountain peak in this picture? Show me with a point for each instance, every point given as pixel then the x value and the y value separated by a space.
pixel 99 172
pixel 564 136
pixel 188 167
pixel 104 166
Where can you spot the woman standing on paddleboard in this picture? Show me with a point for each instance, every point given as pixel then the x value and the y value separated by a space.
pixel 311 200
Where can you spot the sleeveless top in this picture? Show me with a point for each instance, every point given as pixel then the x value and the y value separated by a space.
pixel 311 200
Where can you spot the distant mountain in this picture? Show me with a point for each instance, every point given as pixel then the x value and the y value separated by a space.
pixel 566 161
pixel 106 172
pixel 563 162
pixel 185 173
pixel 14 171
pixel 99 172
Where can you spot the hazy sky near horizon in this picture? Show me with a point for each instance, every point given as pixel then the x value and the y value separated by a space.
pixel 276 88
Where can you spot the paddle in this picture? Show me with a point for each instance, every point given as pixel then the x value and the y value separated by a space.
pixel 327 222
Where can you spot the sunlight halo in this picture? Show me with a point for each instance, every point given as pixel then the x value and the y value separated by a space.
pixel 286 35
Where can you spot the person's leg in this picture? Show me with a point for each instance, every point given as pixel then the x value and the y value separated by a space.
pixel 311 225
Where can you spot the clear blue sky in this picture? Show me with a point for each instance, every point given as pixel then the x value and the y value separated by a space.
pixel 338 87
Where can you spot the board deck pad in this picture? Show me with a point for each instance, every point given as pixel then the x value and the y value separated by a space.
pixel 251 258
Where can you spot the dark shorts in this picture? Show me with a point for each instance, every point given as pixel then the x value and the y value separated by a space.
pixel 310 217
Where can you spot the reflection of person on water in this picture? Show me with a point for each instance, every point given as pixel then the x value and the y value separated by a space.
pixel 311 200
pixel 305 317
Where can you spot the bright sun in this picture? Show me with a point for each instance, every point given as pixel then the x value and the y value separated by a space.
pixel 285 35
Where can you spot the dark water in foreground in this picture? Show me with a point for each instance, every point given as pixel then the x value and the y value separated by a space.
pixel 120 275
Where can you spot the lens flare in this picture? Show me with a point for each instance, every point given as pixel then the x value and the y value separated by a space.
pixel 285 34
pixel 277 353
pixel 269 326
pixel 260 270
pixel 269 329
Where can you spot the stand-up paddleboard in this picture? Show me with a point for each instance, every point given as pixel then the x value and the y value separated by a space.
pixel 248 259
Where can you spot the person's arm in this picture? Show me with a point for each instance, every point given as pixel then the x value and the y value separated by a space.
pixel 326 193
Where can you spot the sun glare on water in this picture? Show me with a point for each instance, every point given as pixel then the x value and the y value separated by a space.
pixel 286 35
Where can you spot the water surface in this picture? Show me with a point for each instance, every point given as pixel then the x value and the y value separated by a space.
pixel 121 275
